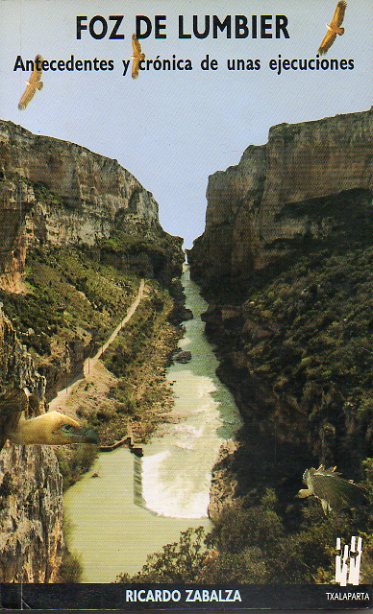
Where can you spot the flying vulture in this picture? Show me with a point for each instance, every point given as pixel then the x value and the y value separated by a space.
pixel 34 83
pixel 136 56
pixel 334 27
pixel 51 428
pixel 334 492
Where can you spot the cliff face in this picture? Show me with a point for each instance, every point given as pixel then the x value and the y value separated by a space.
pixel 274 196
pixel 60 202
pixel 31 515
pixel 286 261
pixel 55 194
pixel 31 505
pixel 58 192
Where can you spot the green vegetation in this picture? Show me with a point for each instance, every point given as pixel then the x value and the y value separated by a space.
pixel 250 544
pixel 307 341
pixel 129 346
pixel 299 359
pixel 6 489
pixel 72 304
pixel 305 392
pixel 73 297
pixel 71 569
pixel 158 257
pixel 319 321
pixel 137 359
pixel 180 562
pixel 74 460
pixel 256 546
pixel 123 243
pixel 72 301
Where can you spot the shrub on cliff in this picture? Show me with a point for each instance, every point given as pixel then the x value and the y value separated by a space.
pixel 159 257
pixel 70 298
pixel 306 344
pixel 71 568
pixel 245 567
pixel 6 489
pixel 130 344
pixel 180 562
pixel 242 525
pixel 250 544
pixel 75 460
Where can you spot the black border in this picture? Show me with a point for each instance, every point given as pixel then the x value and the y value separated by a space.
pixel 113 597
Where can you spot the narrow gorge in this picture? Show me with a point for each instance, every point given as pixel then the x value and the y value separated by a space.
pixel 77 234
pixel 289 230
pixel 285 263
pixel 282 332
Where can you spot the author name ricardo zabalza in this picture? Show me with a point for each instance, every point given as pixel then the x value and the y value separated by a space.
pixel 221 595
pixel 185 595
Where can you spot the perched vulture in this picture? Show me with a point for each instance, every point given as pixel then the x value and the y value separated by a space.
pixel 334 492
pixel 334 27
pixel 136 56
pixel 34 83
pixel 51 428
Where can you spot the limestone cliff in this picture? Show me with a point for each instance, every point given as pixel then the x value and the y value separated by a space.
pixel 274 196
pixel 60 193
pixel 57 198
pixel 286 264
pixel 31 512
pixel 55 195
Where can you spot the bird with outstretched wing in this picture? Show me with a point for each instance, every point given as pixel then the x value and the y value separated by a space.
pixel 51 428
pixel 137 56
pixel 334 27
pixel 334 492
pixel 33 84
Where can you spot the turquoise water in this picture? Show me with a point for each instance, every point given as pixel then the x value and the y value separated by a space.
pixel 138 505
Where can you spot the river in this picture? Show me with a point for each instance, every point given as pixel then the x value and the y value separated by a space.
pixel 136 506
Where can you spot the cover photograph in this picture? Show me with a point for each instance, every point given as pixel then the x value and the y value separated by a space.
pixel 186 293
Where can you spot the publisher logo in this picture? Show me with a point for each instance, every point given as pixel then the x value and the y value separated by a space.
pixel 347 561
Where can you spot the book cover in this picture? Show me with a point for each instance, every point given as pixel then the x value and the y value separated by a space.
pixel 186 305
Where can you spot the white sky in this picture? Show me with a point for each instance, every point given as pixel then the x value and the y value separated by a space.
pixel 173 129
